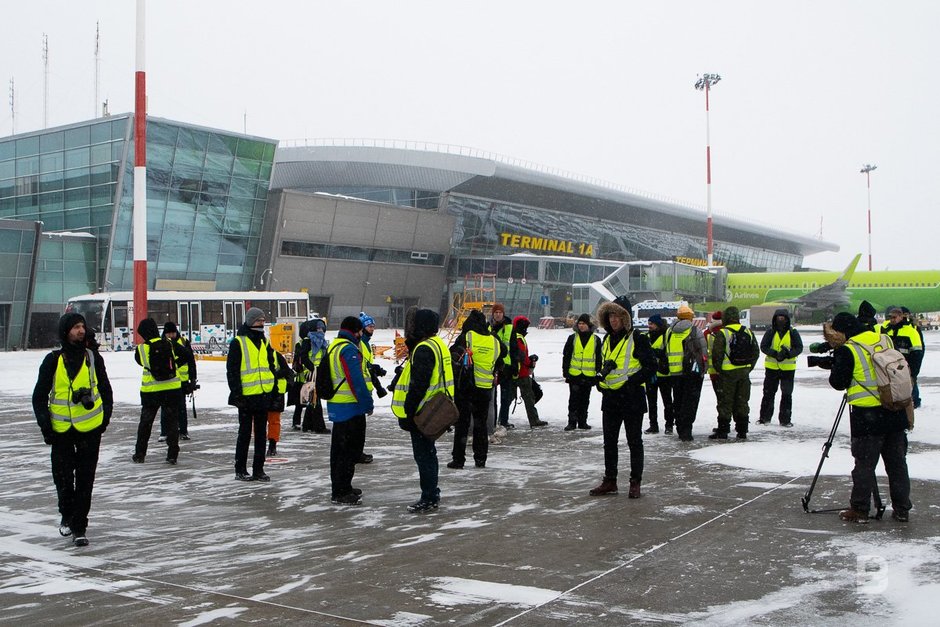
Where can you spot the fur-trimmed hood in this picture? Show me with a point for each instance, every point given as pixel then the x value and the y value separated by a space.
pixel 606 310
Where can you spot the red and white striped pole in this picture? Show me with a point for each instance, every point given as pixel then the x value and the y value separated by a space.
pixel 705 83
pixel 140 174
pixel 866 170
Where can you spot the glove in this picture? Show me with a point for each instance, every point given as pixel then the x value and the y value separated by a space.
pixel 783 354
pixel 533 358
pixel 47 436
pixel 819 347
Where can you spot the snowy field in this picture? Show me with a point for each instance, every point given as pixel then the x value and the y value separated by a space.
pixel 719 537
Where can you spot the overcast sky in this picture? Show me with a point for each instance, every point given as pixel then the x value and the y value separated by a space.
pixel 810 92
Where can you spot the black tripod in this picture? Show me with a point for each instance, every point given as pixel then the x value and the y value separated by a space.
pixel 876 494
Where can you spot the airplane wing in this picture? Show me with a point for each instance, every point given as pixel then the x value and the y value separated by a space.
pixel 829 296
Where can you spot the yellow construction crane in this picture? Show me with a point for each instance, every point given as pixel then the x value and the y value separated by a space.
pixel 479 292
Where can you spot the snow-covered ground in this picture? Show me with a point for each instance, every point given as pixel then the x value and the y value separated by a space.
pixel 518 542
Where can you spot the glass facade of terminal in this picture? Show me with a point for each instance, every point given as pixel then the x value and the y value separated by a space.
pixel 206 198
pixel 19 241
pixel 486 228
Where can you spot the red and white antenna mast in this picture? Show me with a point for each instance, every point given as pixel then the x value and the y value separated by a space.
pixel 140 174
pixel 704 83
pixel 45 80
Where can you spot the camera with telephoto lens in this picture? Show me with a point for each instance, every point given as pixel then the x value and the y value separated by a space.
pixel 820 361
pixel 608 367
pixel 83 397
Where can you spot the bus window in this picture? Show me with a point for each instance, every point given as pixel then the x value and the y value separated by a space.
pixel 120 316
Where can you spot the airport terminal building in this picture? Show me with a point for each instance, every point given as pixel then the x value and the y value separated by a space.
pixel 375 227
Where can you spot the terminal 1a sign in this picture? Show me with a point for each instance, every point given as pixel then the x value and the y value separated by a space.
pixel 547 244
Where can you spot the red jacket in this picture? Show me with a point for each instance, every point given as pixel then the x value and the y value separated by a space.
pixel 525 364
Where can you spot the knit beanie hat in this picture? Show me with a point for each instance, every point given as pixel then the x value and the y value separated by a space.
pixel 366 319
pixel 170 327
pixel 685 313
pixel 351 324
pixel 499 307
pixel 586 318
pixel 716 315
pixel 67 321
pixel 655 319
pixel 252 316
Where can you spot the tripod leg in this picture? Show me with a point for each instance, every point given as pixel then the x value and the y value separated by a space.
pixel 825 454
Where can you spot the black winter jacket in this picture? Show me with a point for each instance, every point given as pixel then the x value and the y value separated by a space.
pixel 864 420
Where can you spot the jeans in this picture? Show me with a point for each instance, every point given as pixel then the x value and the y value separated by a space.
pixel 74 459
pixel 425 454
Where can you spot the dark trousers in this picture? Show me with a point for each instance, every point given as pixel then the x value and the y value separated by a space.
pixel 733 400
pixel 182 418
pixel 773 379
pixel 425 454
pixel 528 398
pixel 686 392
pixel 74 461
pixel 652 391
pixel 633 425
pixel 251 420
pixel 349 436
pixel 579 399
pixel 473 406
pixel 716 388
pixel 892 448
pixel 148 414
pixel 507 396
pixel 665 385
pixel 312 417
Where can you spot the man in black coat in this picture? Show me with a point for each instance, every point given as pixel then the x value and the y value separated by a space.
pixel 74 453
pixel 585 348
pixel 168 397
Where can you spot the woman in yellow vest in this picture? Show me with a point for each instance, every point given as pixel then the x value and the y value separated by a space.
pixel 249 370
pixel 312 349
pixel 580 363
pixel 73 401
pixel 876 431
pixel 427 372
pixel 687 355
pixel 628 363
pixel 781 345
pixel 476 355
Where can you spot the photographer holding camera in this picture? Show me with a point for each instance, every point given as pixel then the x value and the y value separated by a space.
pixel 876 431
pixel 628 363
pixel 73 402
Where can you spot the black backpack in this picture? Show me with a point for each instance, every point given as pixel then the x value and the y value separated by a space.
pixel 741 347
pixel 324 378
pixel 162 360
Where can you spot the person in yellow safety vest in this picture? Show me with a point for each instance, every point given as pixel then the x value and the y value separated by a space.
pixel 73 401
pixel 627 364
pixel 501 327
pixel 476 356
pixel 347 410
pixel 311 349
pixel 427 372
pixel 580 363
pixel 876 431
pixel 371 370
pixel 781 345
pixel 250 371
pixel 187 374
pixel 687 355
pixel 733 379
pixel 909 341
pixel 711 330
pixel 660 383
pixel 162 394
pixel 282 376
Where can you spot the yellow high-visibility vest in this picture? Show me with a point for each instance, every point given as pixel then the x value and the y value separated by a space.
pixel 147 382
pixel 442 377
pixel 256 375
pixel 583 357
pixel 64 412
pixel 779 342
pixel 618 354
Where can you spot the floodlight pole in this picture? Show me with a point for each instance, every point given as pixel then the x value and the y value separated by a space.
pixel 866 170
pixel 704 83
pixel 140 174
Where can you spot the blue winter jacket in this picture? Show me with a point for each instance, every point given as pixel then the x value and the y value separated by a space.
pixel 350 359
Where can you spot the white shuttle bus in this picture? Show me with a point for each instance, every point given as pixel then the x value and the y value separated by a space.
pixel 208 319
